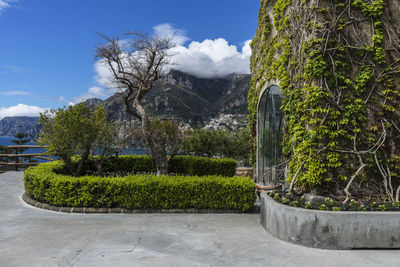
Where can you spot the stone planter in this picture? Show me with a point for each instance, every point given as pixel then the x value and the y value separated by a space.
pixel 262 188
pixel 330 229
pixel 245 172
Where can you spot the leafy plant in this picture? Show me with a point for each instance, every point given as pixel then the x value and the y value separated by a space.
pixel 331 83
pixel 329 201
pixel 323 207
pixel 20 140
pixel 138 191
pixel 218 143
pixel 382 207
pixel 184 165
pixel 362 208
pixel 77 131
pixel 285 200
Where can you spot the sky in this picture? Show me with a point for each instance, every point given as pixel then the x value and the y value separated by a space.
pixel 47 47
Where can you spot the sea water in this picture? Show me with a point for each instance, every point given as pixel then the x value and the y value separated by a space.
pixel 7 140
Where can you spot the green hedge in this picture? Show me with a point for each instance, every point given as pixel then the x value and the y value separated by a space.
pixel 138 191
pixel 185 165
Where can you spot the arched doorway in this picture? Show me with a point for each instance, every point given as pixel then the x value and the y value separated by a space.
pixel 269 137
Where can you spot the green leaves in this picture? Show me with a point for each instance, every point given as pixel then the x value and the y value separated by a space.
pixel 184 165
pixel 375 9
pixel 168 134
pixel 221 143
pixel 341 90
pixel 77 130
pixel 363 78
pixel 139 191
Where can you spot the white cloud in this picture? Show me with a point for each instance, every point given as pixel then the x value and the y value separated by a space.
pixel 93 92
pixel 3 5
pixel 103 75
pixel 15 93
pixel 61 99
pixel 98 91
pixel 212 58
pixel 206 59
pixel 19 69
pixel 166 29
pixel 6 4
pixel 102 78
pixel 21 110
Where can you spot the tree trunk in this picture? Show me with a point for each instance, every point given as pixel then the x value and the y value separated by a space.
pixel 69 164
pixel 154 143
pixel 158 153
pixel 99 167
pixel 162 166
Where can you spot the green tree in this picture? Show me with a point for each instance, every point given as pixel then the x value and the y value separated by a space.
pixel 234 144
pixel 3 150
pixel 201 142
pixel 20 140
pixel 78 131
pixel 167 133
pixel 219 143
pixel 106 144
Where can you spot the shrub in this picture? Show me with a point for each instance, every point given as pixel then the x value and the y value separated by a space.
pixel 185 165
pixel 165 136
pixel 201 166
pixel 220 143
pixel 138 191
pixel 78 131
pixel 131 164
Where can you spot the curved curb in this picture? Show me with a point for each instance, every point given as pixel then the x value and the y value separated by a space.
pixel 90 210
pixel 330 229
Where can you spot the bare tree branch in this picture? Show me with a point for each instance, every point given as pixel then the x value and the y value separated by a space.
pixel 136 64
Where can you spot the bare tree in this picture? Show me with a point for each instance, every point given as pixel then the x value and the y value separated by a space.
pixel 136 64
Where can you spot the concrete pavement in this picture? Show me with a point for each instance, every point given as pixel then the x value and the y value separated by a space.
pixel 35 237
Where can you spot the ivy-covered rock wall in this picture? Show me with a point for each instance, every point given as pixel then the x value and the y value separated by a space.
pixel 337 63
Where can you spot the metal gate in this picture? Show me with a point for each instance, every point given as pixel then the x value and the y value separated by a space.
pixel 270 169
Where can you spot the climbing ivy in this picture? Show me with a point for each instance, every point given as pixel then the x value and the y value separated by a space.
pixel 337 65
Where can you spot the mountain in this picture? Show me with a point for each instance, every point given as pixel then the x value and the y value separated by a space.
pixel 190 99
pixel 193 101
pixel 12 125
pixel 196 102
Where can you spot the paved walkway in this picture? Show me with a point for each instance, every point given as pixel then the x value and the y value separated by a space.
pixel 35 237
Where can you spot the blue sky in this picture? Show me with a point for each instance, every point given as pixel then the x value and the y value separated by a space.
pixel 47 47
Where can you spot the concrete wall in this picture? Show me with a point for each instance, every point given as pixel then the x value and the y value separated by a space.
pixel 330 229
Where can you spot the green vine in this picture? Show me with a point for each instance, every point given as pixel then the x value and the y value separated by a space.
pixel 341 101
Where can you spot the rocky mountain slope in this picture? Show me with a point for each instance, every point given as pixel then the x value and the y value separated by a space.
pixel 28 125
pixel 196 102
pixel 189 99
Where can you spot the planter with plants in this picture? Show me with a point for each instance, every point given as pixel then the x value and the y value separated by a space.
pixel 328 203
pixel 329 223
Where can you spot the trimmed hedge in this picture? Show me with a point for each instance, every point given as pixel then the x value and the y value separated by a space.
pixel 185 165
pixel 138 191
